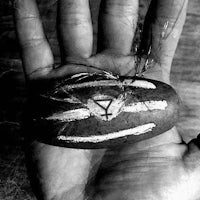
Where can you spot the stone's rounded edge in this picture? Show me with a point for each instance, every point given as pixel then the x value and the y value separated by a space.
pixel 156 91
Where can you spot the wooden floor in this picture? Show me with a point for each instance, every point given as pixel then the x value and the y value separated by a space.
pixel 185 74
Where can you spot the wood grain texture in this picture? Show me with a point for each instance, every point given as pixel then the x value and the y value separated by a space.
pixel 185 75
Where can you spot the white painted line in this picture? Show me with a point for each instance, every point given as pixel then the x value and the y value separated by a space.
pixel 115 109
pixel 128 82
pixel 145 106
pixel 84 74
pixel 139 84
pixel 101 138
pixel 71 115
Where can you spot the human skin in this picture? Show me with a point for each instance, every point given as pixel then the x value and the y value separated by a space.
pixel 159 168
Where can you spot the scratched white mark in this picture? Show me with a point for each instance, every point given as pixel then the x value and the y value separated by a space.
pixel 165 27
pixel 145 106
pixel 128 82
pixel 71 115
pixel 101 138
pixel 71 100
pixel 80 74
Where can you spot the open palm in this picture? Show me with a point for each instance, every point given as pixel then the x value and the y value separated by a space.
pixel 158 168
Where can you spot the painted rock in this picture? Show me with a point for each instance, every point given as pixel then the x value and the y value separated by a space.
pixel 102 110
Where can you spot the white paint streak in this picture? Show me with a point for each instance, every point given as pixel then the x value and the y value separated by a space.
pixel 145 106
pixel 115 108
pixel 84 74
pixel 71 115
pixel 143 84
pixel 128 82
pixel 101 138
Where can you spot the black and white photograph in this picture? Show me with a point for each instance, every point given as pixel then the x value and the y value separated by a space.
pixel 99 99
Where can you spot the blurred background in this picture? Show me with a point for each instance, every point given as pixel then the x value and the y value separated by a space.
pixel 185 77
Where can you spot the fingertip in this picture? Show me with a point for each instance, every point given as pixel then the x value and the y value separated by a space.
pixel 162 30
pixel 35 49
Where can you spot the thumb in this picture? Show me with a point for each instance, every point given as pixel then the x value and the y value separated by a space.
pixel 192 155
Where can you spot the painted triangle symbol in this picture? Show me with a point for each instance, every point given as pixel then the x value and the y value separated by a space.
pixel 103 103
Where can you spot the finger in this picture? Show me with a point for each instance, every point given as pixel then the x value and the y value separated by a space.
pixel 75 26
pixel 117 23
pixel 192 155
pixel 162 29
pixel 36 53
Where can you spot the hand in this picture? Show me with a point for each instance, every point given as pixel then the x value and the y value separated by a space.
pixel 158 168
